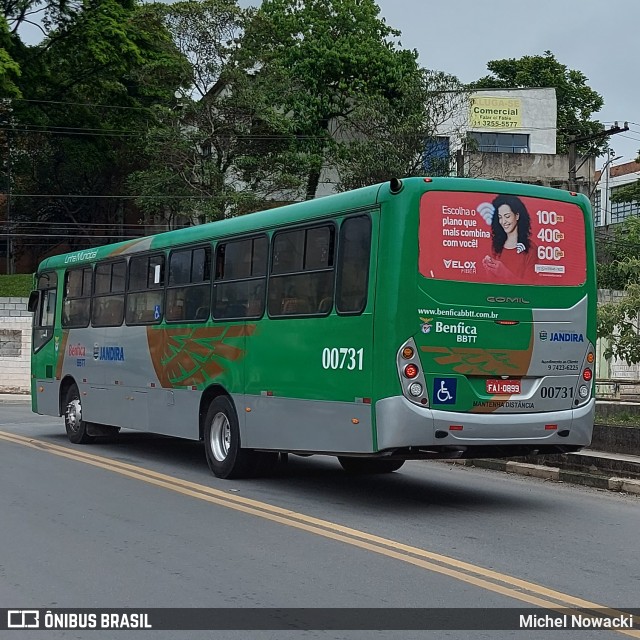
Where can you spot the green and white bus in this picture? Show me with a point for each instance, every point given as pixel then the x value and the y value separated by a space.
pixel 418 318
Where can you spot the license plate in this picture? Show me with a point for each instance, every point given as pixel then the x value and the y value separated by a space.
pixel 503 387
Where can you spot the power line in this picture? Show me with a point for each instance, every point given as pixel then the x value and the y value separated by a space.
pixel 121 197
pixel 630 138
pixel 61 235
pixel 94 225
pixel 82 104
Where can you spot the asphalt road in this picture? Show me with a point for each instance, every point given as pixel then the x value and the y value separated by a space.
pixel 138 521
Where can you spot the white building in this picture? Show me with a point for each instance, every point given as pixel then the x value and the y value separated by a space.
pixel 608 181
pixel 500 121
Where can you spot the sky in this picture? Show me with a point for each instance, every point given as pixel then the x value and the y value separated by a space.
pixel 600 39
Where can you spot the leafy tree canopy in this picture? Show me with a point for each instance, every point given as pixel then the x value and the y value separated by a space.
pixel 630 193
pixel 9 68
pixel 225 147
pixel 86 89
pixel 577 102
pixel 327 58
pixel 618 322
pixel 393 140
pixel 614 250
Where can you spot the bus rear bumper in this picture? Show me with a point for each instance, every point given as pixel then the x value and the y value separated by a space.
pixel 402 424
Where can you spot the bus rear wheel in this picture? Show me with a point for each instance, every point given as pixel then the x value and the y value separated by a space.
pixel 369 465
pixel 74 424
pixel 225 456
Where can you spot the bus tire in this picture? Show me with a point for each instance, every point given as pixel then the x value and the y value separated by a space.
pixel 369 465
pixel 74 424
pixel 225 456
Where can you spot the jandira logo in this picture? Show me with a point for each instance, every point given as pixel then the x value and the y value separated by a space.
pixel 111 353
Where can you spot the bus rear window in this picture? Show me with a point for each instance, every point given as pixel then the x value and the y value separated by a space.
pixel 503 239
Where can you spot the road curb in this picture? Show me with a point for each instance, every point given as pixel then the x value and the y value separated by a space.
pixel 555 474
pixel 11 399
pixel 533 470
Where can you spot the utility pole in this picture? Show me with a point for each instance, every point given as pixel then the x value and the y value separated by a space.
pixel 573 157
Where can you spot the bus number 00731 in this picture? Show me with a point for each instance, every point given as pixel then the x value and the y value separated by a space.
pixel 342 358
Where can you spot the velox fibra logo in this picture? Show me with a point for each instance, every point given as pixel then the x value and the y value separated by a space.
pixel 466 267
pixel 427 324
pixel 463 331
pixel 23 619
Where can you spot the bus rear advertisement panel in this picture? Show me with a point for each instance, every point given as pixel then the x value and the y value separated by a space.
pixel 502 239
pixel 423 318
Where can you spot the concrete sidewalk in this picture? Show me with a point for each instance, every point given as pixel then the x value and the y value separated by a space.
pixel 15 398
pixel 589 468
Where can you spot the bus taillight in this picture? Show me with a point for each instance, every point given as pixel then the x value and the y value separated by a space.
pixel 412 379
pixel 411 371
pixel 407 353
pixel 587 374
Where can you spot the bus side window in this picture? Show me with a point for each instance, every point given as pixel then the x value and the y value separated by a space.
pixel 107 309
pixel 76 304
pixel 189 289
pixel 353 265
pixel 301 279
pixel 145 291
pixel 241 267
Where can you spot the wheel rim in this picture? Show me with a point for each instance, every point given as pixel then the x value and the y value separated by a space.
pixel 220 438
pixel 73 415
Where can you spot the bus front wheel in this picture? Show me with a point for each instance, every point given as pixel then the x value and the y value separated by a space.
pixel 74 424
pixel 225 457
pixel 369 465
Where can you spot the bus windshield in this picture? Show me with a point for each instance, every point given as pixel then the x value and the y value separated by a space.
pixel 502 239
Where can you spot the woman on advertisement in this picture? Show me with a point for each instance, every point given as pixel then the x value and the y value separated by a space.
pixel 513 254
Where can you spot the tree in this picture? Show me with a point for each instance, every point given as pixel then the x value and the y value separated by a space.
pixel 618 322
pixel 630 193
pixel 333 59
pixel 225 147
pixel 387 140
pixel 9 68
pixel 88 87
pixel 576 101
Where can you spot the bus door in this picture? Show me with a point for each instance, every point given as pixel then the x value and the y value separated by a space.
pixel 45 349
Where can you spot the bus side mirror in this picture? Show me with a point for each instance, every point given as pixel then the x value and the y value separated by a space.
pixel 34 299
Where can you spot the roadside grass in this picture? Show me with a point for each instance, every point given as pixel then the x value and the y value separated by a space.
pixel 622 419
pixel 16 286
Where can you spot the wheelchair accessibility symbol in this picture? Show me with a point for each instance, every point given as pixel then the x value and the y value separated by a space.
pixel 444 390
